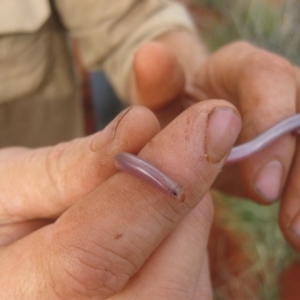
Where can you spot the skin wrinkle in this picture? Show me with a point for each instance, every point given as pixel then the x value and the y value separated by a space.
pixel 206 221
pixel 161 214
pixel 125 258
pixel 53 286
pixel 200 173
pixel 74 287
pixel 145 239
pixel 51 275
pixel 180 212
pixel 85 251
pixel 56 293
pixel 145 256
pixel 105 271
pixel 123 247
pixel 26 282
pixel 107 275
pixel 147 229
pixel 52 166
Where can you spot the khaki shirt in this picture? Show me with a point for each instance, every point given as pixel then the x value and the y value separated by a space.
pixel 39 87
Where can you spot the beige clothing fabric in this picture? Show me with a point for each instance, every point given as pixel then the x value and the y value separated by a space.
pixel 39 88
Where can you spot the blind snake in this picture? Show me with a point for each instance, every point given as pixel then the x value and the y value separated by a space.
pixel 136 166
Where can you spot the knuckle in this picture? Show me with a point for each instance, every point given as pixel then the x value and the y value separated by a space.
pixel 85 273
pixel 263 61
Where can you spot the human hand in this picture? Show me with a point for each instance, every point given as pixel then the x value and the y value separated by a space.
pixel 265 89
pixel 75 228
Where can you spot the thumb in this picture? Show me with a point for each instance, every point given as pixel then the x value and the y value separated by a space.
pixel 158 78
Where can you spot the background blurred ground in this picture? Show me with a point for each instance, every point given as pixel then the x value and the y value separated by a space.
pixel 249 258
pixel 271 24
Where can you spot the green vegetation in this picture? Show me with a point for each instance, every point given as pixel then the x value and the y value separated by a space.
pixel 272 26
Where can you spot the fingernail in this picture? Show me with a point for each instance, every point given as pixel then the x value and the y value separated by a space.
pixel 224 125
pixel 109 131
pixel 268 181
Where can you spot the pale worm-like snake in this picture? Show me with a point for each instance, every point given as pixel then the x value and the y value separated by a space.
pixel 136 166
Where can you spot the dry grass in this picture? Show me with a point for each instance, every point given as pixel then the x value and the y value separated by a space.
pixel 273 25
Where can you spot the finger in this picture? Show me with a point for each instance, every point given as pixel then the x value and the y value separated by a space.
pixel 289 215
pixel 204 289
pixel 176 269
pixel 263 87
pixel 98 244
pixel 42 183
pixel 158 81
pixel 158 78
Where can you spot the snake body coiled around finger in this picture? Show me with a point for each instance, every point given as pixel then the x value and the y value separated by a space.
pixel 136 166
